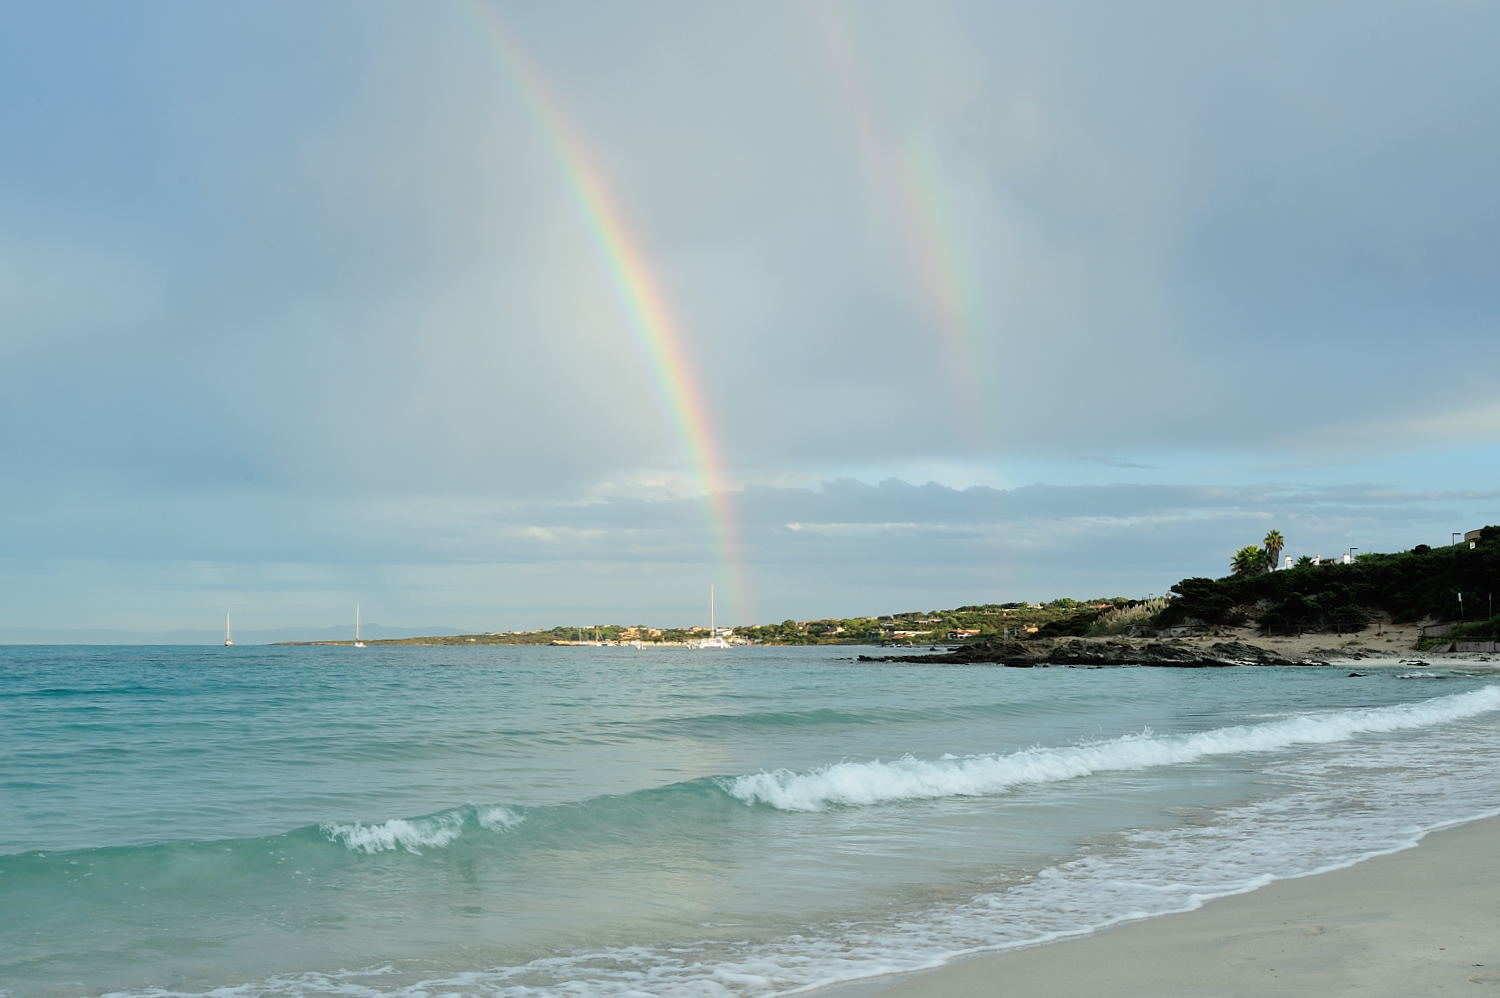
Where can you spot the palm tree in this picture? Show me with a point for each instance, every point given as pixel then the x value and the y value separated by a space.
pixel 1249 560
pixel 1274 542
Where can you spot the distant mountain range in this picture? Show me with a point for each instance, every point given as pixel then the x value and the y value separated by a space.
pixel 103 636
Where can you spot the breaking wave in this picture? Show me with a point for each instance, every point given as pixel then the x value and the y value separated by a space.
pixel 853 784
pixel 416 834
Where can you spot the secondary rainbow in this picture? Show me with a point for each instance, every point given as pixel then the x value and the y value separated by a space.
pixel 637 286
pixel 910 193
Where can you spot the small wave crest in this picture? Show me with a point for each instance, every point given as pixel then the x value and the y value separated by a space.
pixel 853 784
pixel 433 831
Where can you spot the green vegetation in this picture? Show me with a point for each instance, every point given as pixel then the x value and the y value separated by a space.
pixel 1128 619
pixel 1274 542
pixel 1478 630
pixel 1422 583
pixel 913 627
pixel 926 627
pixel 1250 560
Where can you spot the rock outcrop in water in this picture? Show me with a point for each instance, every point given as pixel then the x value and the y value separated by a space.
pixel 1081 652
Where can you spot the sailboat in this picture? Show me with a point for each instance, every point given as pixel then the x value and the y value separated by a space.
pixel 357 643
pixel 228 634
pixel 713 640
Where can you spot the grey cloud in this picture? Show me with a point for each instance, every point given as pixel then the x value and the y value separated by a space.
pixel 856 548
pixel 1151 199
pixel 353 312
pixel 894 509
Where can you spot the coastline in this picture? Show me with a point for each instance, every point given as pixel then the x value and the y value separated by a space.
pixel 1386 645
pixel 1418 921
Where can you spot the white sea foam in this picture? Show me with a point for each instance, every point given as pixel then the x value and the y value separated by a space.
pixel 911 778
pixel 415 834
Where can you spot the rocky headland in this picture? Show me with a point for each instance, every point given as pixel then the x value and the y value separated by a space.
pixel 1100 653
pixel 1388 645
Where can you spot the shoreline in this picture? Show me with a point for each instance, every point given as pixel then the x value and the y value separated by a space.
pixel 1417 921
pixel 1386 645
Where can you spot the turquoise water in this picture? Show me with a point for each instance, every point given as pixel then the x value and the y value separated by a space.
pixel 269 822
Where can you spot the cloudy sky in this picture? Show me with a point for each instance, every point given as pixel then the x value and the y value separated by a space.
pixel 493 314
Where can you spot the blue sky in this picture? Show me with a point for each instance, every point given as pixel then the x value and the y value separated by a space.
pixel 988 301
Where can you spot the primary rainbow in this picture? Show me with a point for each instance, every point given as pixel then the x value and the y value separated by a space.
pixel 641 294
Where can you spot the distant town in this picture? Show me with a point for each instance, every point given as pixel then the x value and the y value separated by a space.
pixel 910 628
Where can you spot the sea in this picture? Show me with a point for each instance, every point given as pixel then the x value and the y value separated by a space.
pixel 433 822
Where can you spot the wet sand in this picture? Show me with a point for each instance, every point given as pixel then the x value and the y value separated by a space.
pixel 1424 921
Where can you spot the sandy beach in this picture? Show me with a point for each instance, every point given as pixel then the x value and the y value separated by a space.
pixel 1418 922
pixel 1380 644
pixel 1381 640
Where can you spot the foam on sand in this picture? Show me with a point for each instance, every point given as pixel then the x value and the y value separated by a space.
pixel 1415 922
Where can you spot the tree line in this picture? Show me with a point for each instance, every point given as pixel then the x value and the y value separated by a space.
pixel 1453 583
